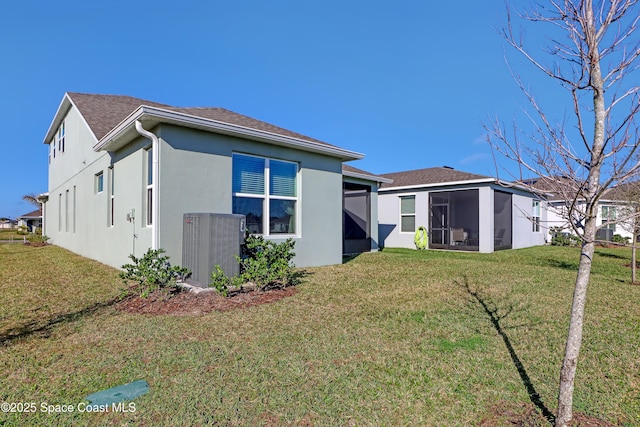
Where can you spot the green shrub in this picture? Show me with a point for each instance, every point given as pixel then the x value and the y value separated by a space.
pixel 23 230
pixel 619 239
pixel 152 272
pixel 38 239
pixel 559 237
pixel 265 263
pixel 222 283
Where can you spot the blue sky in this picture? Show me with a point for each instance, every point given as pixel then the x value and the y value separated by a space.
pixel 408 83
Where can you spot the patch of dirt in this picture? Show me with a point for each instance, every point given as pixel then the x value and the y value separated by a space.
pixel 192 304
pixel 526 415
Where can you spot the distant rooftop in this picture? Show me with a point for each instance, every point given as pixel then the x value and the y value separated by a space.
pixel 427 176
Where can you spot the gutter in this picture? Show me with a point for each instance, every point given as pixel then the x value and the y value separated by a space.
pixel 439 184
pixel 156 182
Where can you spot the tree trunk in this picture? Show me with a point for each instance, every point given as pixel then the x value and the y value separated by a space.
pixel 574 337
pixel 634 238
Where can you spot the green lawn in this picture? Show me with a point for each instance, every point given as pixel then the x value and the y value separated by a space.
pixel 393 338
pixel 10 234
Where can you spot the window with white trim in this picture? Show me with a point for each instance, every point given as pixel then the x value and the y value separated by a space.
pixel 608 214
pixel 535 216
pixel 60 137
pixel 265 191
pixel 99 182
pixel 149 202
pixel 407 214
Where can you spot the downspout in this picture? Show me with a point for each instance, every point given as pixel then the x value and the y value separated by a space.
pixel 156 182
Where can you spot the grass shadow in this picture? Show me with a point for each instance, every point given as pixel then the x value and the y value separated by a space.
pixel 347 258
pixel 492 311
pixel 36 327
pixel 610 255
pixel 562 264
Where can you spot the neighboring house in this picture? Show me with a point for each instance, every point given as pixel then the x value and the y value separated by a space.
pixel 32 220
pixel 613 207
pixel 360 209
pixel 460 210
pixel 8 223
pixel 123 172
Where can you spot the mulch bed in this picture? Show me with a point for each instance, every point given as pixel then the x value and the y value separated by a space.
pixel 195 304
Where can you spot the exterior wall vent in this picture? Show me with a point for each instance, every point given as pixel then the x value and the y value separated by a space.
pixel 210 239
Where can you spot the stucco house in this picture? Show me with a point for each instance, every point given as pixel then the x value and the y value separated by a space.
pixel 7 223
pixel 460 210
pixel 31 220
pixel 615 209
pixel 123 171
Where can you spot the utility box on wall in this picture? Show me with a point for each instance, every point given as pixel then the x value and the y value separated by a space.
pixel 209 239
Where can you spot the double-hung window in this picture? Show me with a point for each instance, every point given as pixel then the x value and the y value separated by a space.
pixel 609 218
pixel 60 137
pixel 407 214
pixel 535 216
pixel 265 191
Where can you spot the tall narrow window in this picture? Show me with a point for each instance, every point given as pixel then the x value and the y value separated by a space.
pixel 60 212
pixel 407 214
pixel 74 208
pixel 66 211
pixel 282 196
pixel 149 203
pixel 111 196
pixel 99 182
pixel 535 216
pixel 265 190
pixel 60 137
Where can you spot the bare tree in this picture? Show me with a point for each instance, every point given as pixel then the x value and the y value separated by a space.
pixel 593 50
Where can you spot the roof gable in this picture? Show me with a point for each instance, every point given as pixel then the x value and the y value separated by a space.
pixel 103 112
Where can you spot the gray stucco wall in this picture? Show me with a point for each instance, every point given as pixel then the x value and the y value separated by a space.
pixel 195 176
pixel 77 217
pixel 389 218
pixel 523 234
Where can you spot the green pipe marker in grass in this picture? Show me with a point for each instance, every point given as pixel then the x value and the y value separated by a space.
pixel 119 393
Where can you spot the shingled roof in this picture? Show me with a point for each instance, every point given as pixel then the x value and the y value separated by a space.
pixel 564 188
pixel 34 214
pixel 105 112
pixel 349 170
pixel 430 176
